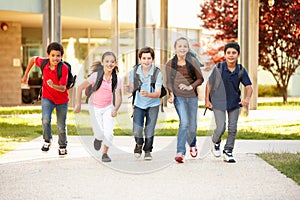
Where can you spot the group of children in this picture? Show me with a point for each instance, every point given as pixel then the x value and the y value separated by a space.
pixel 183 76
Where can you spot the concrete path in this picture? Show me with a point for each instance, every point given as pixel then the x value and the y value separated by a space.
pixel 27 173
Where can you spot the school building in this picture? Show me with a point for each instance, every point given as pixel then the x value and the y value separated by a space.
pixel 87 29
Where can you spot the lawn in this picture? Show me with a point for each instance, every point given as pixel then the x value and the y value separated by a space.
pixel 286 163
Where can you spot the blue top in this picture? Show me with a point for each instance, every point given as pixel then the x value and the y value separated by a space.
pixel 226 96
pixel 146 102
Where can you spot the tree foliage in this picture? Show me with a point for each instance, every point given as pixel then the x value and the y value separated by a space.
pixel 279 44
pixel 220 15
pixel 279 34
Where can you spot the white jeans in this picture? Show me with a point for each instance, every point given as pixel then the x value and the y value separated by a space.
pixel 102 124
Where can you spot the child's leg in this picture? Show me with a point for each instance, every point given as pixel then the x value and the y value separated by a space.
pixel 96 122
pixel 47 109
pixel 108 126
pixel 233 117
pixel 61 115
pixel 151 119
pixel 220 119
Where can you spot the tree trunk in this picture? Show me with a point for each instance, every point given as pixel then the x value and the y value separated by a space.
pixel 284 95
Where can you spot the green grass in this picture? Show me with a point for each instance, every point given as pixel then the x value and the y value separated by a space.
pixel 286 163
pixel 23 123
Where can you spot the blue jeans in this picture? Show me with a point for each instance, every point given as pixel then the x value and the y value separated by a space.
pixel 139 116
pixel 61 115
pixel 220 118
pixel 187 109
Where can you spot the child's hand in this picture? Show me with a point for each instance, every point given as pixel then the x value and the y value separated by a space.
pixel 171 99
pixel 144 93
pixel 50 83
pixel 77 108
pixel 114 113
pixel 185 87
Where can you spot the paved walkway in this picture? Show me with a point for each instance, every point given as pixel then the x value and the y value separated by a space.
pixel 27 173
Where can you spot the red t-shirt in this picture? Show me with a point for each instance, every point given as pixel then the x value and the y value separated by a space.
pixel 55 96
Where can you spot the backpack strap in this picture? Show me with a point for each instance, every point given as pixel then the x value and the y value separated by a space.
pixel 43 64
pixel 241 72
pixel 97 84
pixel 99 80
pixel 154 76
pixel 114 83
pixel 136 83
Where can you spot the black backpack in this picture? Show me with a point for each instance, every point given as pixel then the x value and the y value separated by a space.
pixel 137 83
pixel 71 79
pixel 189 65
pixel 89 90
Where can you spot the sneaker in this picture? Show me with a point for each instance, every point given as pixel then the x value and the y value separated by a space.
pixel 138 150
pixel 97 144
pixel 148 156
pixel 62 151
pixel 46 146
pixel 179 158
pixel 105 158
pixel 216 150
pixel 194 152
pixel 228 157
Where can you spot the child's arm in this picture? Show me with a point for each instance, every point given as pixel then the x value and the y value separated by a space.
pixel 118 93
pixel 60 88
pixel 28 68
pixel 79 90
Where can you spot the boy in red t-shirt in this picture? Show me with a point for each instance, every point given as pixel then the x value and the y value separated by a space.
pixel 54 95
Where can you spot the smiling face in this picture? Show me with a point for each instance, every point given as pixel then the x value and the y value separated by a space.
pixel 146 60
pixel 231 55
pixel 109 63
pixel 54 57
pixel 181 47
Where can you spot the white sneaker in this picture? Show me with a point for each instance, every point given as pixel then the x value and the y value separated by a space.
pixel 216 150
pixel 46 146
pixel 228 157
pixel 148 156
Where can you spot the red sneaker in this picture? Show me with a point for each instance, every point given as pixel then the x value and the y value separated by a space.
pixel 194 152
pixel 179 158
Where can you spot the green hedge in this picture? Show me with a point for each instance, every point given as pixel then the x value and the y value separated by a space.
pixel 268 91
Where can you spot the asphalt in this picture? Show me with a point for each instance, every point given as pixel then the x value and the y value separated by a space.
pixel 28 173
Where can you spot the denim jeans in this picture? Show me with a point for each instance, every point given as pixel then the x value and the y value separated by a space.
pixel 61 115
pixel 139 116
pixel 187 109
pixel 220 119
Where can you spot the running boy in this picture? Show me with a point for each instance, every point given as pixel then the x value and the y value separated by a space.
pixel 54 95
pixel 222 95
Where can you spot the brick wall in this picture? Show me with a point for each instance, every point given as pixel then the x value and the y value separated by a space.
pixel 10 75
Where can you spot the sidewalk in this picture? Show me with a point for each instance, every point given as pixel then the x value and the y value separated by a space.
pixel 28 173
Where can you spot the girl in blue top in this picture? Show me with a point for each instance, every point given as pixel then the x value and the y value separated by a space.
pixel 146 103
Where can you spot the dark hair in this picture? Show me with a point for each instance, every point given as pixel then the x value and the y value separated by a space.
pixel 56 47
pixel 234 45
pixel 146 50
pixel 96 65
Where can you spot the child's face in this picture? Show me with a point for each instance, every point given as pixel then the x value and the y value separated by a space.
pixel 146 60
pixel 231 55
pixel 109 62
pixel 54 57
pixel 181 47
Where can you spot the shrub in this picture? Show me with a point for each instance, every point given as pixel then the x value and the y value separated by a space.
pixel 268 91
